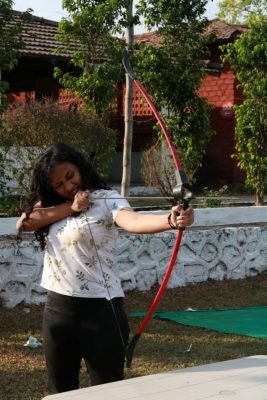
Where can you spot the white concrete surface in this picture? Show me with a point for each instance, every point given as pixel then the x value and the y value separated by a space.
pixel 8 226
pixel 229 216
pixel 239 379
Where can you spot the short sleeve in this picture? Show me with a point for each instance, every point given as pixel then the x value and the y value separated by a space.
pixel 115 203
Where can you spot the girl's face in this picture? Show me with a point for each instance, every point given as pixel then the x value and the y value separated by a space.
pixel 66 180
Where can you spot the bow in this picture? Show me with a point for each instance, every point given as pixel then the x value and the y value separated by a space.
pixel 182 194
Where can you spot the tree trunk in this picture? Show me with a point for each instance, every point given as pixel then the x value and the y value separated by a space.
pixel 260 186
pixel 128 112
pixel 259 197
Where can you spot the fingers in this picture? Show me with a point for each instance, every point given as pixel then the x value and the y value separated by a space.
pixel 83 195
pixel 182 218
pixel 81 201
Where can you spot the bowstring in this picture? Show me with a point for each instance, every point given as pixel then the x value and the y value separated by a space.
pixel 124 345
pixel 106 283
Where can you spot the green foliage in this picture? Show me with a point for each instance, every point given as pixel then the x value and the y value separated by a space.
pixel 245 11
pixel 173 71
pixel 213 197
pixel 2 173
pixel 190 128
pixel 10 205
pixel 171 14
pixel 251 143
pixel 31 128
pixel 89 32
pixel 10 43
pixel 248 58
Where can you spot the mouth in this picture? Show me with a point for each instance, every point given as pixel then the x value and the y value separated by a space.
pixel 73 193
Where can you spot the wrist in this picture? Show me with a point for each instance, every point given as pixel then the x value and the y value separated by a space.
pixel 171 223
pixel 69 210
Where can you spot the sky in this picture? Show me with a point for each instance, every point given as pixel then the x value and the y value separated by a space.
pixel 52 9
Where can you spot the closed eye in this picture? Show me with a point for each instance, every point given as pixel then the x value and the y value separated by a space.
pixel 70 175
pixel 57 185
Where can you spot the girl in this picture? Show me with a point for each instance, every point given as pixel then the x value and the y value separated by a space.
pixel 76 220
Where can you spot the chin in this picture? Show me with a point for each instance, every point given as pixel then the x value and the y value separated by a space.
pixel 69 197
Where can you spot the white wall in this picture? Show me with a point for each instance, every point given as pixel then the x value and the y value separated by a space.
pixel 223 243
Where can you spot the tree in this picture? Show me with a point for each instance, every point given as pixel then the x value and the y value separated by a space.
pixel 248 58
pixel 236 11
pixel 173 70
pixel 90 32
pixel 128 111
pixel 94 25
pixel 10 44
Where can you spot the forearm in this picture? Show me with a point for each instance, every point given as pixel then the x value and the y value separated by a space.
pixel 41 217
pixel 154 223
pixel 144 223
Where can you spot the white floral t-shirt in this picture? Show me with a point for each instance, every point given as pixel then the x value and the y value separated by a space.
pixel 79 255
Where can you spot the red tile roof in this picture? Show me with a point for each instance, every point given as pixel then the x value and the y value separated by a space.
pixel 38 36
pixel 222 31
pixel 148 38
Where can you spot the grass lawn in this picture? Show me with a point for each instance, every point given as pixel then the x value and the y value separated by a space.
pixel 161 347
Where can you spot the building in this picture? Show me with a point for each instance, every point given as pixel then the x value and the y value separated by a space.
pixel 32 79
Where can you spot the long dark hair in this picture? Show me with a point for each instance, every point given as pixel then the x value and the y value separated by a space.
pixel 41 189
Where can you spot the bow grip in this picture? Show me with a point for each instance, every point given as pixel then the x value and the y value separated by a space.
pixel 182 192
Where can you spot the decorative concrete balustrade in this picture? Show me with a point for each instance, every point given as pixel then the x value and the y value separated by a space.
pixel 223 243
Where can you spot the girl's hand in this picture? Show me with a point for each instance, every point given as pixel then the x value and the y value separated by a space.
pixel 182 218
pixel 81 201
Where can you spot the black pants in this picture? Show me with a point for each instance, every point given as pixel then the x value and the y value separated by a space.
pixel 78 328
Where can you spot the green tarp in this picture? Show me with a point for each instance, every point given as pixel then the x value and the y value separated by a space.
pixel 250 321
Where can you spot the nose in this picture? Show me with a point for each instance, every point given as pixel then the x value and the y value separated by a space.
pixel 69 186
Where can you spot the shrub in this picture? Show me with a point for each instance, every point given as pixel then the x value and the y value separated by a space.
pixel 31 128
pixel 158 169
